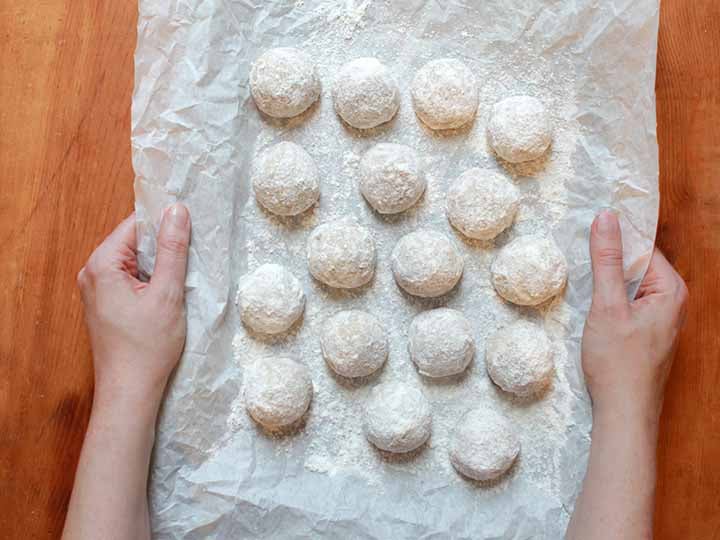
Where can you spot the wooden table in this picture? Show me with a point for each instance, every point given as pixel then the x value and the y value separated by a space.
pixel 66 77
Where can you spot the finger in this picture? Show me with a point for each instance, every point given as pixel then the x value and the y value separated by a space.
pixel 124 234
pixel 172 251
pixel 117 252
pixel 120 239
pixel 660 276
pixel 662 283
pixel 607 261
pixel 124 246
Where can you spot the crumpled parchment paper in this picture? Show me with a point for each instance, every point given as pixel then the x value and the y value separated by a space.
pixel 195 130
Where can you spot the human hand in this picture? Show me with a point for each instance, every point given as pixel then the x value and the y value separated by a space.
pixel 137 329
pixel 628 346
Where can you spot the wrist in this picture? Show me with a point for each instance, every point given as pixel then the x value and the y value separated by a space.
pixel 632 413
pixel 138 399
pixel 123 424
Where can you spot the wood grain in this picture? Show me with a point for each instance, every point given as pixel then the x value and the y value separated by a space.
pixel 66 77
pixel 688 105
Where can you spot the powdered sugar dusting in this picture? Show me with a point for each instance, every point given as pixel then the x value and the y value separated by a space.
pixel 520 129
pixel 333 438
pixel 484 445
pixel 519 358
pixel 365 93
pixel 283 82
pixel 445 94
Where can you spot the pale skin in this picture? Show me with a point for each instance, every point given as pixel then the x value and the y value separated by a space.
pixel 627 352
pixel 137 332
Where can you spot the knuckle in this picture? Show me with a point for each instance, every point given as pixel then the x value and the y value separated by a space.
pixel 680 300
pixel 97 264
pixel 170 297
pixel 81 278
pixel 173 245
pixel 682 292
pixel 609 256
pixel 609 310
pixel 92 269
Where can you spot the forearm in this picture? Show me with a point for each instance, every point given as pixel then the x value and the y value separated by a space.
pixel 616 502
pixel 109 499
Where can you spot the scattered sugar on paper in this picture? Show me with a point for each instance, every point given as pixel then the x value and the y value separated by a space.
pixel 334 429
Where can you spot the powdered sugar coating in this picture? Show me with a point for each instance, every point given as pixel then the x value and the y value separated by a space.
pixel 354 344
pixel 481 204
pixel 397 417
pixel 390 177
pixel 519 358
pixel 445 94
pixel 341 254
pixel 520 129
pixel 270 299
pixel 365 93
pixel 426 263
pixel 285 179
pixel 283 82
pixel 529 270
pixel 441 342
pixel 484 445
pixel 278 391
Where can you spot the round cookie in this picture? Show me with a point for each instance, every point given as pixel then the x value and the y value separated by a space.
pixel 390 178
pixel 441 342
pixel 365 93
pixel 285 179
pixel 354 343
pixel 520 129
pixel 283 82
pixel 341 254
pixel 397 417
pixel 278 391
pixel 426 263
pixel 529 270
pixel 445 94
pixel 270 299
pixel 519 358
pixel 484 445
pixel 482 204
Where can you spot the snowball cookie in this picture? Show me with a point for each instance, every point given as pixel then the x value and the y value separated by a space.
pixel 390 178
pixel 425 263
pixel 277 391
pixel 529 270
pixel 441 342
pixel 283 82
pixel 445 94
pixel 285 179
pixel 341 254
pixel 482 204
pixel 484 445
pixel 354 343
pixel 519 358
pixel 270 299
pixel 397 417
pixel 519 129
pixel 365 93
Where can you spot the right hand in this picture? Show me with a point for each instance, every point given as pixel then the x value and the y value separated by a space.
pixel 628 346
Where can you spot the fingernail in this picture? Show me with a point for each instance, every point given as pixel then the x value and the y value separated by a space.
pixel 178 215
pixel 606 222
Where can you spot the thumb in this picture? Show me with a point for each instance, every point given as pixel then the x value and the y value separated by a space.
pixel 172 251
pixel 607 261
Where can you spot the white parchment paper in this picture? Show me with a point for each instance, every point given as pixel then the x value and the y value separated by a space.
pixel 195 132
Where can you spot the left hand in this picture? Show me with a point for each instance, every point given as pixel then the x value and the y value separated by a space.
pixel 137 329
